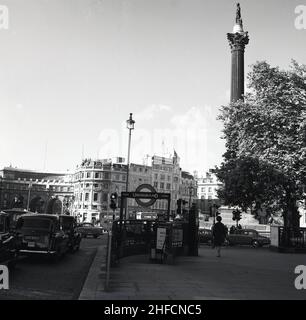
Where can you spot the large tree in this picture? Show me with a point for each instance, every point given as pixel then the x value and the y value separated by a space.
pixel 265 160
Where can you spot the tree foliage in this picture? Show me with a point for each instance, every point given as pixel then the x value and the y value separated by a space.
pixel 265 159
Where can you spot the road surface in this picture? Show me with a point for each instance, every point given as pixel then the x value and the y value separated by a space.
pixel 37 278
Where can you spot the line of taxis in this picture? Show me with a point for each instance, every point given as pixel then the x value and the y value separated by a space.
pixel 24 233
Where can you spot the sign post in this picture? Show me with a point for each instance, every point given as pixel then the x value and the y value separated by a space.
pixel 140 197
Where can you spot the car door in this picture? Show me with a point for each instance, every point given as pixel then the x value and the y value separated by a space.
pixel 6 238
pixel 234 238
pixel 246 237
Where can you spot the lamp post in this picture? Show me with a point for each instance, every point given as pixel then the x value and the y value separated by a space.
pixel 130 125
pixel 29 195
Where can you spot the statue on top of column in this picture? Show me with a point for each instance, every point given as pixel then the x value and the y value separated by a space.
pixel 238 14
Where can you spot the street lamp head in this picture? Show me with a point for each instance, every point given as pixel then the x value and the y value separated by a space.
pixel 130 122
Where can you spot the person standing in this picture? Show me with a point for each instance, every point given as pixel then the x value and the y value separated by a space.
pixel 219 235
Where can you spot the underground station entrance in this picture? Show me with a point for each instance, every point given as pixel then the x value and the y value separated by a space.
pixel 161 239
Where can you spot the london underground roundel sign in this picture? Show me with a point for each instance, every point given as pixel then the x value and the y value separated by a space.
pixel 146 202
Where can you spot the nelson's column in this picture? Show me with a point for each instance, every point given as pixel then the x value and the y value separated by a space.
pixel 238 39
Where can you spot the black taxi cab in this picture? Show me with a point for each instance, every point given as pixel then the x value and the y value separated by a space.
pixel 42 234
pixel 69 226
pixel 9 242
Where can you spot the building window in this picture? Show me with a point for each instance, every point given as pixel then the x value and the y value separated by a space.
pixel 81 196
pixel 88 174
pixel 97 175
pixel 86 196
pixel 156 176
pixel 162 177
pixel 106 175
pixel 203 189
pixel 87 185
pixel 209 189
pixel 155 184
pixel 95 196
pixel 104 197
pixel 162 185
pixel 94 207
pixel 123 177
pixel 168 186
pixel 96 185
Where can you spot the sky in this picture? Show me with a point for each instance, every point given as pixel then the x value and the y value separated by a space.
pixel 71 71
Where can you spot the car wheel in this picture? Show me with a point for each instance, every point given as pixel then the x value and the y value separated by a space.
pixel 95 236
pixel 255 243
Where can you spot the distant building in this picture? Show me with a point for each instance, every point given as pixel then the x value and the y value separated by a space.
pixel 42 192
pixel 188 188
pixel 207 187
pixel 86 193
pixel 95 180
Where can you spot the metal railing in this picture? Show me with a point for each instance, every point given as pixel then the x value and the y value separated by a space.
pixel 292 238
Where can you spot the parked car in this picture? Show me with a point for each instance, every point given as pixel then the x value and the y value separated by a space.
pixel 9 242
pixel 69 226
pixel 88 229
pixel 247 237
pixel 205 236
pixel 42 234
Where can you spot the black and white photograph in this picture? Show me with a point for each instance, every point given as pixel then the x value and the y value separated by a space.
pixel 153 150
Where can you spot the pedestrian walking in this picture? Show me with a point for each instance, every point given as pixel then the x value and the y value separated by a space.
pixel 219 235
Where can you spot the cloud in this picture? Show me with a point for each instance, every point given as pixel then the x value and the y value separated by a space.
pixel 19 106
pixel 151 112
pixel 193 133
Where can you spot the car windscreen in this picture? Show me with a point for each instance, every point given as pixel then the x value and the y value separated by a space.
pixel 34 223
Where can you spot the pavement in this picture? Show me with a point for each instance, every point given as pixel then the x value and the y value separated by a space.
pixel 242 273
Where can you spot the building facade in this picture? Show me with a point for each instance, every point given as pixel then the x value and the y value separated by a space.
pixel 95 180
pixel 37 191
pixel 188 188
pixel 207 187
pixel 86 193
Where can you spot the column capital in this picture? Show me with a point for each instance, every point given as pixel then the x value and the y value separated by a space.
pixel 238 41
